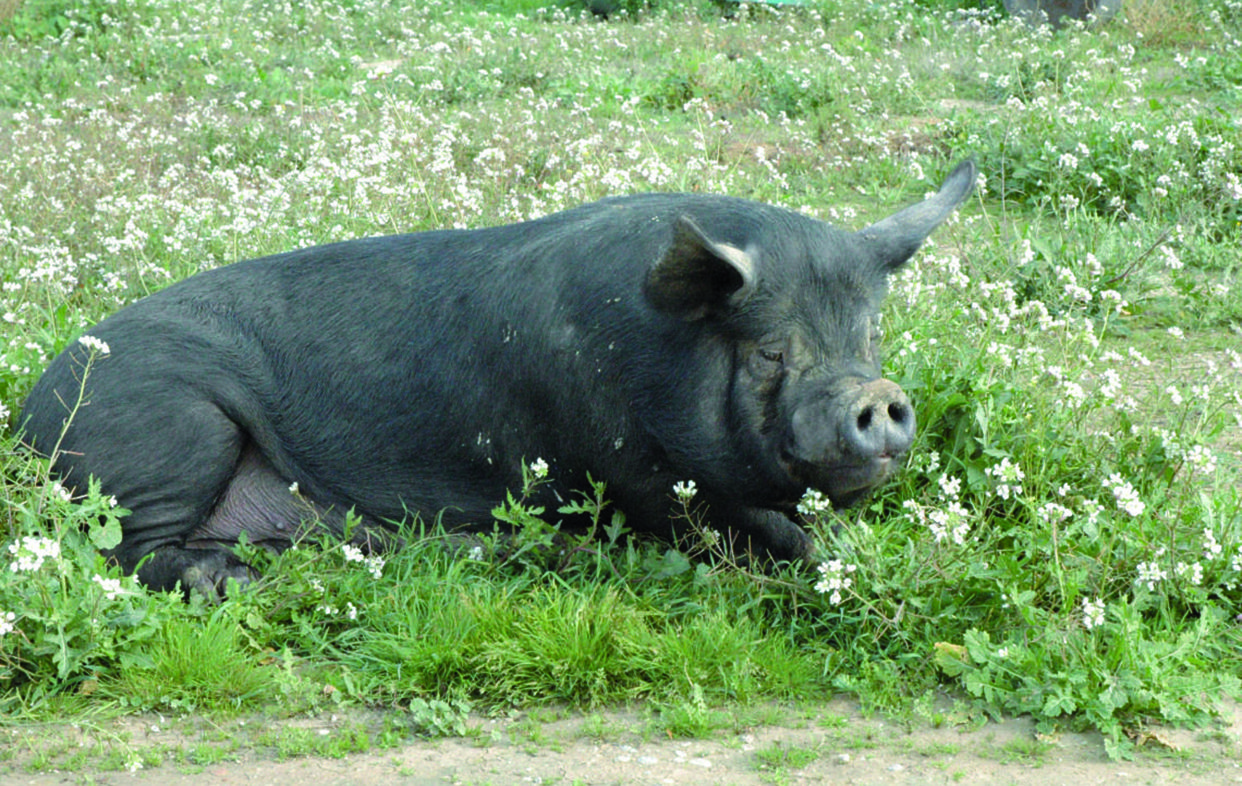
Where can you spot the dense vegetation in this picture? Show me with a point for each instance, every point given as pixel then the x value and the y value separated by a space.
pixel 1066 540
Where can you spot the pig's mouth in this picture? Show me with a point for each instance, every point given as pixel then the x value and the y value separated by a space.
pixel 844 482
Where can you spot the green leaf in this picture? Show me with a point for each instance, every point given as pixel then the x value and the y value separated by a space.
pixel 104 533
pixel 1060 704
pixel 1113 698
pixel 978 645
pixel 952 659
pixel 616 528
pixel 674 564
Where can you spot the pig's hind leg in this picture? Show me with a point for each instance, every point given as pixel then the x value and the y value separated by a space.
pixel 168 461
pixel 255 500
pixel 190 473
pixel 192 492
pixel 273 514
pixel 187 514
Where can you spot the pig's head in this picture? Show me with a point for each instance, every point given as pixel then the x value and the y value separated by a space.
pixel 798 307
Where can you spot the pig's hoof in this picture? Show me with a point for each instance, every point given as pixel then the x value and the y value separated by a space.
pixel 209 576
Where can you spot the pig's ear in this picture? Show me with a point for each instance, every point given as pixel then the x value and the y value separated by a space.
pixel 894 240
pixel 697 276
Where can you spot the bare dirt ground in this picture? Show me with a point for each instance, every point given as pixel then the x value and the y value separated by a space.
pixel 830 743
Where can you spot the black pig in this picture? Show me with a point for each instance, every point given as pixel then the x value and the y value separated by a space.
pixel 645 339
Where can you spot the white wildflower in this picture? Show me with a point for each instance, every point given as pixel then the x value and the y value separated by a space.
pixel 950 487
pixel 30 552
pixel 1193 570
pixel 373 563
pixel 1092 509
pixel 814 503
pixel 1150 573
pixel 1028 253
pixel 914 511
pixel 1010 476
pixel 1125 494
pixel 834 578
pixel 539 468
pixel 111 587
pixel 96 345
pixel 1211 547
pixel 1138 357
pixel 1053 513
pixel 1114 297
pixel 1201 459
pixel 951 522
pixel 1092 613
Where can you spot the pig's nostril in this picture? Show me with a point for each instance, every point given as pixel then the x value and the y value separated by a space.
pixel 864 419
pixel 897 412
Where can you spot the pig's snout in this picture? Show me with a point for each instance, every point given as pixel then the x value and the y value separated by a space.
pixel 879 422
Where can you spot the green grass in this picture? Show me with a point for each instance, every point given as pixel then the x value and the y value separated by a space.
pixel 1071 342
pixel 779 757
pixel 192 662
